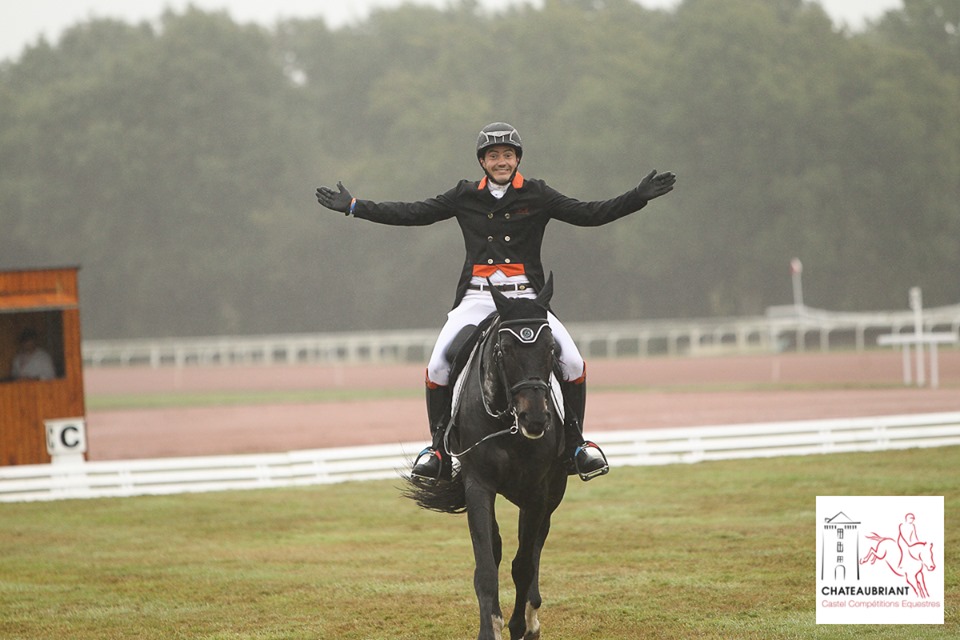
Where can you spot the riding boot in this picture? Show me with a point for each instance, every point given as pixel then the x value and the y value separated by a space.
pixel 433 463
pixel 586 458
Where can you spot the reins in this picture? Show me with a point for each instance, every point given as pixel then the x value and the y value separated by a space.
pixel 514 428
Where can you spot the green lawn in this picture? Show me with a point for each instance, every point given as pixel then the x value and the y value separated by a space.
pixel 714 550
pixel 180 399
pixel 111 402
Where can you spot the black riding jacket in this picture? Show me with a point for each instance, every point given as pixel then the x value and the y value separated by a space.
pixel 503 234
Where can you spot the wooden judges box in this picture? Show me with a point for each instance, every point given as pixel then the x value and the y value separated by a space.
pixel 42 410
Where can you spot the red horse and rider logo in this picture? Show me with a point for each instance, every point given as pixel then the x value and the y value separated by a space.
pixel 906 556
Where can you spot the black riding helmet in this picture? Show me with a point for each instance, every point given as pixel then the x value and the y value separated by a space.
pixel 498 133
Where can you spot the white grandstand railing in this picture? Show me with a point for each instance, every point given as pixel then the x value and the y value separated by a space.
pixel 326 466
pixel 791 328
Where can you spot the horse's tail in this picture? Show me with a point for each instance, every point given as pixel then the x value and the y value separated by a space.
pixel 445 497
pixel 876 537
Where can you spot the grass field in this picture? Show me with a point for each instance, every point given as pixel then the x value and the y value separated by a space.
pixel 180 399
pixel 714 550
pixel 111 402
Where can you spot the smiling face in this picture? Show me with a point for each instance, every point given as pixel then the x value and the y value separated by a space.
pixel 500 162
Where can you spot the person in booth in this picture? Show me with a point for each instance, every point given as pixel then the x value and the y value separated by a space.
pixel 502 218
pixel 31 362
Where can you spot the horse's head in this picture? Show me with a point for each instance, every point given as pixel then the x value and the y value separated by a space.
pixel 524 352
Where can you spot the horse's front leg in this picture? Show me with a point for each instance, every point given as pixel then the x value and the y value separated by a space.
pixel 912 582
pixel 533 528
pixel 485 536
pixel 921 581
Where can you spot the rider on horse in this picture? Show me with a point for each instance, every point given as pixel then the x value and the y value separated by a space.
pixel 502 218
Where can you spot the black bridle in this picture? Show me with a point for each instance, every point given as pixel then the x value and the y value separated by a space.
pixel 527 331
pixel 527 335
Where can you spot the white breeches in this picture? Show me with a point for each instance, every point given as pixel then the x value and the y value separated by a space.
pixel 477 305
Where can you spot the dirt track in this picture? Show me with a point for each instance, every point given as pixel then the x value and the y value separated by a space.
pixel 673 393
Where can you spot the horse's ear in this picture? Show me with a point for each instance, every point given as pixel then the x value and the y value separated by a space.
pixel 498 298
pixel 546 292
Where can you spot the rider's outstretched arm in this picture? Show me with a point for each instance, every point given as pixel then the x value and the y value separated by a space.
pixel 418 213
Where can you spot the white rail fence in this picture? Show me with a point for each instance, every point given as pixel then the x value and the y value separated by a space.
pixel 783 328
pixel 326 466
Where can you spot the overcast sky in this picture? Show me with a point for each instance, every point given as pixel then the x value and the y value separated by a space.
pixel 22 22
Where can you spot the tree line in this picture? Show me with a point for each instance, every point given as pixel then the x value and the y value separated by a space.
pixel 175 160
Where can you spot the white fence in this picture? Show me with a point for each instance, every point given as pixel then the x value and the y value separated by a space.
pixel 159 476
pixel 783 328
pixel 327 466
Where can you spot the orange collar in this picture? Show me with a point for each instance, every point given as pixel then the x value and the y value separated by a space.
pixel 517 182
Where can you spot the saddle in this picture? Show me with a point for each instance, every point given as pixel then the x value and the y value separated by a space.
pixel 458 353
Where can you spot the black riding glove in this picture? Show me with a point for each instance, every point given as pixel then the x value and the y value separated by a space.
pixel 337 201
pixel 656 184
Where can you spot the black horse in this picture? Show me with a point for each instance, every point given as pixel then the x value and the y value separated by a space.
pixel 508 439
